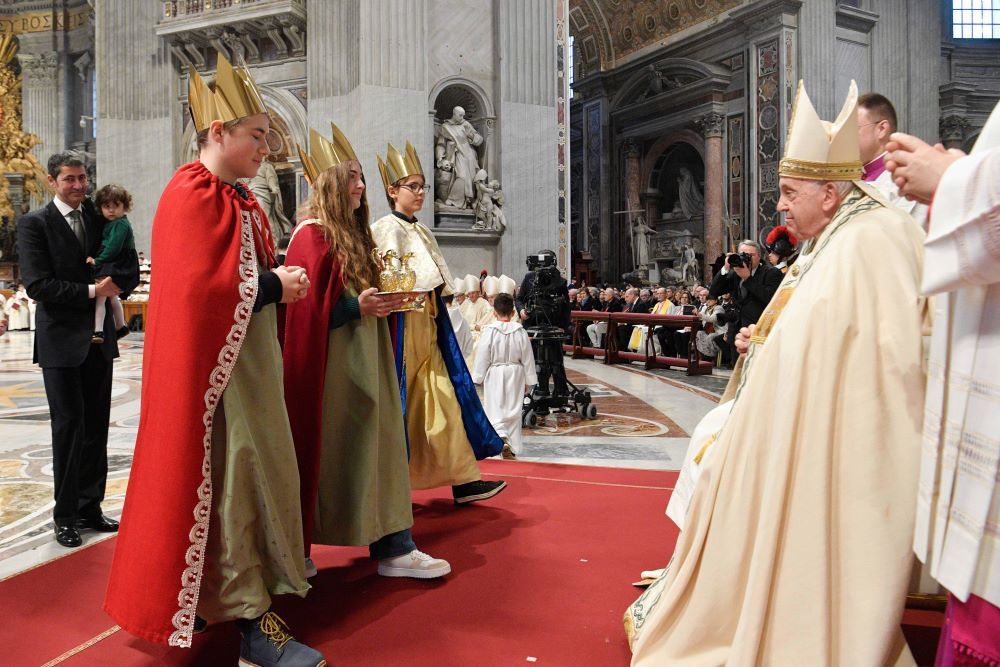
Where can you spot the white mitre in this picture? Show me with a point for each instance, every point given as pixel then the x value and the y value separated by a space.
pixel 471 283
pixel 819 150
pixel 507 285
pixel 491 286
pixel 457 287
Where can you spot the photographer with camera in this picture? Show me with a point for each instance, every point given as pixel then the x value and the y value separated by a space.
pixel 543 303
pixel 750 282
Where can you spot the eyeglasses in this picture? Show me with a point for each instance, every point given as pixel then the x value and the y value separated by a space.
pixel 867 124
pixel 415 188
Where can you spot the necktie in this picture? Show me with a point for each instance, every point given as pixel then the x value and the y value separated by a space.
pixel 77 225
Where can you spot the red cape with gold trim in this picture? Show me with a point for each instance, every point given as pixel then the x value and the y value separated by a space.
pixel 206 240
pixel 307 333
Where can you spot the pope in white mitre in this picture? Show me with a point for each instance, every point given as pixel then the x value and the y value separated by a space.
pixel 796 547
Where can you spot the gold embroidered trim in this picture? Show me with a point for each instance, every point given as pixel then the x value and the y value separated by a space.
pixel 820 171
pixel 218 379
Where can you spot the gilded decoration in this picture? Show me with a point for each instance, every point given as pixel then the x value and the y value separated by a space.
pixel 631 25
pixel 15 144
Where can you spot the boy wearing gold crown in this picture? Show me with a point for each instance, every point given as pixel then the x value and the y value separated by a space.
pixel 340 375
pixel 796 544
pixel 212 524
pixel 446 426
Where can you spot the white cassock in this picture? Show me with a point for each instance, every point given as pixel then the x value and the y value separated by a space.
pixel 462 333
pixel 958 503
pixel 504 365
pixel 18 313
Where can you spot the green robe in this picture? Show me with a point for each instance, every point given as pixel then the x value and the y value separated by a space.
pixel 364 482
pixel 254 546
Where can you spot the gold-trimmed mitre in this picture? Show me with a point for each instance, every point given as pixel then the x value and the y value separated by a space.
pixel 235 96
pixel 324 154
pixel 398 166
pixel 818 150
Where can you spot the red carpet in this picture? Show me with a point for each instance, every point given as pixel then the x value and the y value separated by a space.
pixel 542 571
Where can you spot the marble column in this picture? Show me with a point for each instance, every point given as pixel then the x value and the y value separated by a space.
pixel 711 127
pixel 139 120
pixel 40 101
pixel 630 150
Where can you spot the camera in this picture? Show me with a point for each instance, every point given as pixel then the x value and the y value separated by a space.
pixel 740 259
pixel 541 260
pixel 547 301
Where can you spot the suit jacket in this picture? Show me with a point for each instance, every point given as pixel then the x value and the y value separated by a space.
pixel 643 306
pixel 56 274
pixel 752 296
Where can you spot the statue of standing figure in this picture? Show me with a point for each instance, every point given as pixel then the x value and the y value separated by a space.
pixel 267 190
pixel 689 197
pixel 689 264
pixel 456 161
pixel 640 241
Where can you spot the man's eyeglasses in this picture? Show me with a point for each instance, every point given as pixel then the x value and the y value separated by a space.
pixel 415 188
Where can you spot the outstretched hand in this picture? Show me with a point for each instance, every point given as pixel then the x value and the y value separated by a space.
pixel 916 166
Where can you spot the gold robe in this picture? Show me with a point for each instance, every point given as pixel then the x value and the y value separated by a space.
pixel 796 546
pixel 440 453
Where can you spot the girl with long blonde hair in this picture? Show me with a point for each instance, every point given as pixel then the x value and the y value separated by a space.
pixel 340 381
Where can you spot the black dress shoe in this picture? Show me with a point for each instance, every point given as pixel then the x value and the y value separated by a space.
pixel 101 524
pixel 67 536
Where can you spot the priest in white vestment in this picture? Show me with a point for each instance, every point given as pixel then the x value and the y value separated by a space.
pixel 958 502
pixel 796 548
pixel 505 366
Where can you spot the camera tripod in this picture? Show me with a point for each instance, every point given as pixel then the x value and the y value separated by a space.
pixel 566 397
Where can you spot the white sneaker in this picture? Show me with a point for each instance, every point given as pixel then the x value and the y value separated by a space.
pixel 415 564
pixel 310 568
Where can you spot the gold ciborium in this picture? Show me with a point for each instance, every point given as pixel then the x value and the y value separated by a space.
pixel 397 278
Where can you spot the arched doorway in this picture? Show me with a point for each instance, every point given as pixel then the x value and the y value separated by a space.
pixel 675 203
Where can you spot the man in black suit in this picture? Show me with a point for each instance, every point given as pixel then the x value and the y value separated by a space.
pixel 53 244
pixel 751 287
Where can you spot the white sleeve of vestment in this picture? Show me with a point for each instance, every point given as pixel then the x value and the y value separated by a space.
pixel 482 361
pixel 963 245
pixel 527 358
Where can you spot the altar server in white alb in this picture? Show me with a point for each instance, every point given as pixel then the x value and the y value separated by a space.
pixel 505 367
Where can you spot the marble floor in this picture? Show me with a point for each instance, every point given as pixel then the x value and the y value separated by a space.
pixel 644 420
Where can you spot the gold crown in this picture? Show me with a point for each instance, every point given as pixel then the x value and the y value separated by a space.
pixel 324 154
pixel 236 96
pixel 819 150
pixel 398 166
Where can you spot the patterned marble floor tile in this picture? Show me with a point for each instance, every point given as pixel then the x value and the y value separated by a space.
pixel 643 422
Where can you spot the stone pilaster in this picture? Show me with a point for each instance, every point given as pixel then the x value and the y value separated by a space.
pixel 711 126
pixel 332 38
pixel 137 107
pixel 41 110
pixel 527 121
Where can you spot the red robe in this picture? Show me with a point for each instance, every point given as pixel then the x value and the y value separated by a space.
pixel 307 334
pixel 206 242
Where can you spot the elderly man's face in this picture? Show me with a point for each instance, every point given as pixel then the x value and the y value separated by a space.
pixel 661 294
pixel 808 205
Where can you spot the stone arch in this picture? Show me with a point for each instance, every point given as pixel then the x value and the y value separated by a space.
pixel 593 46
pixel 681 71
pixel 290 115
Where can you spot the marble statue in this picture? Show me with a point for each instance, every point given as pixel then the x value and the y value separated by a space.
pixel 489 203
pixel 456 161
pixel 640 242
pixel 266 189
pixel 689 198
pixel 689 264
